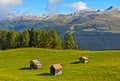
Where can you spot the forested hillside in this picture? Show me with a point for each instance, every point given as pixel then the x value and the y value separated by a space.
pixel 35 38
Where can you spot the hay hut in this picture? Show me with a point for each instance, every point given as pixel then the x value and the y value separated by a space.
pixel 35 64
pixel 56 69
pixel 83 59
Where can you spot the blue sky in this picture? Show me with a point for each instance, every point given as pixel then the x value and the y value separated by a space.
pixel 61 6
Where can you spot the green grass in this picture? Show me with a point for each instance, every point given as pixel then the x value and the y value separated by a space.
pixel 102 65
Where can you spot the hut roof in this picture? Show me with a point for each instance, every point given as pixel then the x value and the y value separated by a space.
pixel 84 57
pixel 57 66
pixel 36 62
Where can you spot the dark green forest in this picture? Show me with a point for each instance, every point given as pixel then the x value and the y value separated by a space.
pixel 10 39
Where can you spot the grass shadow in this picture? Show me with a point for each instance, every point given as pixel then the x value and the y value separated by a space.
pixel 25 68
pixel 76 62
pixel 44 74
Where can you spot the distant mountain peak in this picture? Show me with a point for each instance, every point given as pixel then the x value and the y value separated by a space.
pixel 112 8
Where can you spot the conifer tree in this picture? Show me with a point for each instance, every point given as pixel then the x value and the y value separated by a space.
pixel 41 38
pixel 33 35
pixel 24 38
pixel 11 39
pixel 53 40
pixel 3 39
pixel 68 42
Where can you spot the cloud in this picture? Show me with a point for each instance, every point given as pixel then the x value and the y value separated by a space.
pixel 11 2
pixel 7 5
pixel 51 3
pixel 77 6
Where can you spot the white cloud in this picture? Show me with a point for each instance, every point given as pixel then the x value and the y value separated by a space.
pixel 6 5
pixel 77 6
pixel 51 3
pixel 11 2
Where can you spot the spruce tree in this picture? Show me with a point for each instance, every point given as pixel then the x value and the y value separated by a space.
pixel 3 39
pixel 11 39
pixel 33 35
pixel 68 42
pixel 53 40
pixel 24 38
pixel 41 38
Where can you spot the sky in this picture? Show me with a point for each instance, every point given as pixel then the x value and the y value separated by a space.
pixel 37 7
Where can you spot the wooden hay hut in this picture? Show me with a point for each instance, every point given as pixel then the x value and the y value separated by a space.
pixel 83 59
pixel 35 64
pixel 56 69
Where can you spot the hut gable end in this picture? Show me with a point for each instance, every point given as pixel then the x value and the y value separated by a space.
pixel 56 69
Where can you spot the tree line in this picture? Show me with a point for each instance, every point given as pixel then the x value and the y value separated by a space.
pixel 10 39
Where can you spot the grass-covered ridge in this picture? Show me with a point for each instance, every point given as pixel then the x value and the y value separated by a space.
pixel 102 65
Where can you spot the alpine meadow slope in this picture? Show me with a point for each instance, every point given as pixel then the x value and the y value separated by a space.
pixel 102 65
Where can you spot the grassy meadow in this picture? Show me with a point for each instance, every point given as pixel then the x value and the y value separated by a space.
pixel 102 65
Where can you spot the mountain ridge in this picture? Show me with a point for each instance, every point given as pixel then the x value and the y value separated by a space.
pixel 92 29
